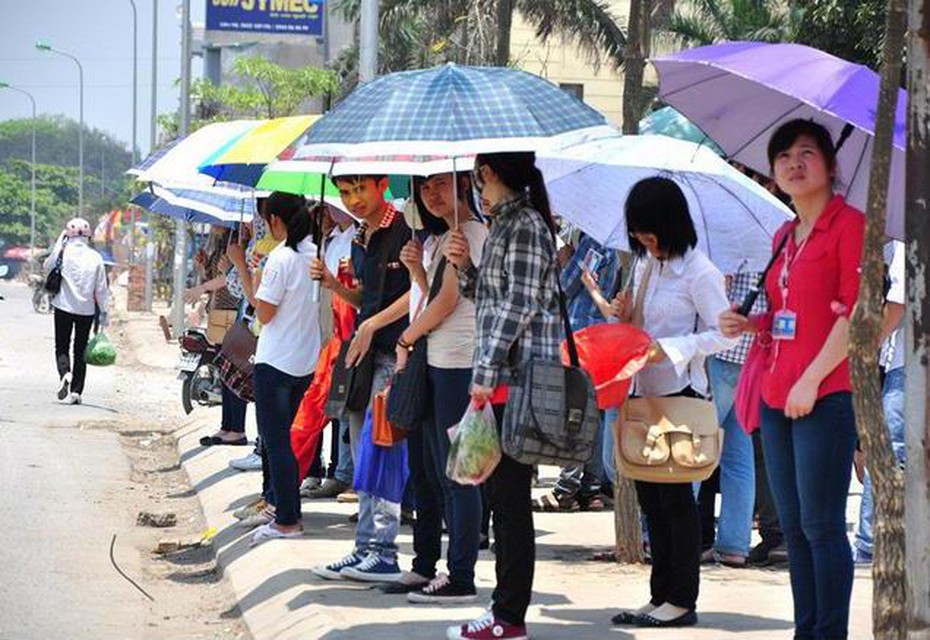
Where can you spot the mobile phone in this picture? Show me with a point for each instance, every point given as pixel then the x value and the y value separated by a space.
pixel 592 260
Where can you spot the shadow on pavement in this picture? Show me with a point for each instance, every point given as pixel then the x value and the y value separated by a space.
pixel 432 629
pixel 725 621
pixel 214 478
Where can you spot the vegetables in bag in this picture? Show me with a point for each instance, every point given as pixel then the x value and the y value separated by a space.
pixel 100 352
pixel 476 446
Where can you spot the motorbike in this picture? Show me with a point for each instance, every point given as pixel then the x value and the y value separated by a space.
pixel 201 384
pixel 41 299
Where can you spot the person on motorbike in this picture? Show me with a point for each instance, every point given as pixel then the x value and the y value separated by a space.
pixel 84 295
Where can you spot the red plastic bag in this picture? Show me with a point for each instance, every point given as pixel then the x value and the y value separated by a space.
pixel 611 354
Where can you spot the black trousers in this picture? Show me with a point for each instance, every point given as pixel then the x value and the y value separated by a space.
pixel 65 324
pixel 675 541
pixel 769 527
pixel 707 498
pixel 508 492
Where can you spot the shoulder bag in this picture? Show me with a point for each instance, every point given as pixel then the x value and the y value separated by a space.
pixel 235 362
pixel 551 416
pixel 670 439
pixel 407 401
pixel 53 279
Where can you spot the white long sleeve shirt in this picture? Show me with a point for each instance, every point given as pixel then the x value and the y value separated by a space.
pixel 83 279
pixel 683 299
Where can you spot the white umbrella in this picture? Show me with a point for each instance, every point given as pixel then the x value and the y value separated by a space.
pixel 734 216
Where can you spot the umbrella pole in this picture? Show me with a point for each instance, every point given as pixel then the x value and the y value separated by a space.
pixel 413 200
pixel 455 196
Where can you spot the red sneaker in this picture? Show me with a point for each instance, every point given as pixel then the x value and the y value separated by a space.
pixel 487 627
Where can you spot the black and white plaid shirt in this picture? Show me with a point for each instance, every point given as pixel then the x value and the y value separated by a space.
pixel 738 286
pixel 515 295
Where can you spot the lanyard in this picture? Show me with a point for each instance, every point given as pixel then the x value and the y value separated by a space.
pixel 786 267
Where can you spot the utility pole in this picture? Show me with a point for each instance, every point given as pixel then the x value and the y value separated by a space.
pixel 180 236
pixel 32 199
pixel 368 41
pixel 917 324
pixel 153 143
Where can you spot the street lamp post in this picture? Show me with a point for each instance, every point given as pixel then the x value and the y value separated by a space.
pixel 135 70
pixel 180 236
pixel 149 239
pixel 42 46
pixel 32 204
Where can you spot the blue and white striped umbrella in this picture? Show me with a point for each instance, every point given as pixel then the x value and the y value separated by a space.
pixel 453 111
pixel 224 203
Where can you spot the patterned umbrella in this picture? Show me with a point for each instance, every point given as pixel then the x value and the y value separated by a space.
pixel 225 205
pixel 669 122
pixel 452 111
pixel 245 160
pixel 740 92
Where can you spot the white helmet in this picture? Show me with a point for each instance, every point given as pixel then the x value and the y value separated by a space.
pixel 77 227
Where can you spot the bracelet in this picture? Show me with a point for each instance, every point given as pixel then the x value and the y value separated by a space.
pixel 403 344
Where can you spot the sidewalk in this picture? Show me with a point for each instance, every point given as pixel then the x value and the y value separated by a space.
pixel 573 598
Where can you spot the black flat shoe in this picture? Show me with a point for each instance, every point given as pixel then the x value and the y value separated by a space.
pixel 625 618
pixel 212 441
pixel 688 619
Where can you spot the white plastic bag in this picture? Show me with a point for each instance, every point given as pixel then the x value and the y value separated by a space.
pixel 476 446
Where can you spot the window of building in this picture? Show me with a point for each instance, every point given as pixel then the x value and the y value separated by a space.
pixel 573 89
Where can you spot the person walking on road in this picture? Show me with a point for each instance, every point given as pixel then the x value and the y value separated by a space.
pixel 83 295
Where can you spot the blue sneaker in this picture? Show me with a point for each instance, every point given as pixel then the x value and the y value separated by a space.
pixel 374 569
pixel 334 571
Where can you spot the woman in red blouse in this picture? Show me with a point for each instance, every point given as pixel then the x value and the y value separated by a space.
pixel 808 427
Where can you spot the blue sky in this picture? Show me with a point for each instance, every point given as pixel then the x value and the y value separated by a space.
pixel 99 33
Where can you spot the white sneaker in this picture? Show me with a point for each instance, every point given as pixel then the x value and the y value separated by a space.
pixel 251 462
pixel 263 517
pixel 64 386
pixel 73 398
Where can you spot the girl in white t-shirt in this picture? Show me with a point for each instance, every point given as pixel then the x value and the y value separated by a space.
pixel 448 324
pixel 285 357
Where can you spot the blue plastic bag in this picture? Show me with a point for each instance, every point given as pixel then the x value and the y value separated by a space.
pixel 380 471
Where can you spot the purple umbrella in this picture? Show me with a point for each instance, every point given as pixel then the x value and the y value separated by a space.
pixel 740 92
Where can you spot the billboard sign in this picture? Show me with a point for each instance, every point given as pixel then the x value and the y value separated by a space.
pixel 282 17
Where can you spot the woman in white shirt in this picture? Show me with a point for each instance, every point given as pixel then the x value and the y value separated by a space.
pixel 448 324
pixel 285 357
pixel 682 295
pixel 83 294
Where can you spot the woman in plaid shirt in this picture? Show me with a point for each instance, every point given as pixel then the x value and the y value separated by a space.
pixel 517 316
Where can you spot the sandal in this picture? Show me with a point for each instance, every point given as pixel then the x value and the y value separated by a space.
pixel 688 619
pixel 625 618
pixel 550 503
pixel 270 532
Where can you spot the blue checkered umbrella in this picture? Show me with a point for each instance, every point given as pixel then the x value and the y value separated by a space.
pixel 453 111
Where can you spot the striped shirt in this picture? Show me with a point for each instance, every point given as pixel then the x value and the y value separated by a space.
pixel 738 286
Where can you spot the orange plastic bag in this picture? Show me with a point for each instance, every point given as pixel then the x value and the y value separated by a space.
pixel 611 354
pixel 308 425
pixel 383 433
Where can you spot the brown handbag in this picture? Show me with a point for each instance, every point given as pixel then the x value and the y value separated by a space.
pixel 235 362
pixel 673 439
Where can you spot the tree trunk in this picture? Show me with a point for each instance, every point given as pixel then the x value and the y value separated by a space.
pixel 917 324
pixel 634 61
pixel 504 24
pixel 888 570
pixel 628 532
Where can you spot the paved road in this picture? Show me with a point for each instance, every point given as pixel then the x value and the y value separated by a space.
pixel 61 492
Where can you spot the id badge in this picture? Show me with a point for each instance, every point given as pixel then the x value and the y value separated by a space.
pixel 592 260
pixel 784 325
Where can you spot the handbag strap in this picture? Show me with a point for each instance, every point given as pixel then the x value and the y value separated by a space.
pixel 638 319
pixel 434 288
pixel 750 299
pixel 563 307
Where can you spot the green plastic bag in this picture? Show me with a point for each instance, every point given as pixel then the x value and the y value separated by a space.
pixel 100 352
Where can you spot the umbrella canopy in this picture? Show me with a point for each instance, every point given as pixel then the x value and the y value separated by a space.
pixel 245 160
pixel 177 165
pixel 452 111
pixel 735 217
pixel 670 122
pixel 224 203
pixel 740 92
pixel 149 201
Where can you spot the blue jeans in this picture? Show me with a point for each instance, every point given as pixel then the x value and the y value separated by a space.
pixel 345 469
pixel 608 454
pixel 808 462
pixel 378 519
pixel 893 401
pixel 234 409
pixel 277 398
pixel 459 504
pixel 737 465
